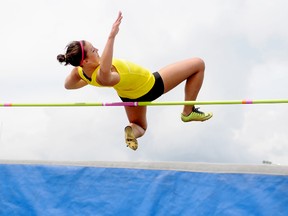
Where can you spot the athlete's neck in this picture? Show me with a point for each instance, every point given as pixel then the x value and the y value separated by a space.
pixel 89 68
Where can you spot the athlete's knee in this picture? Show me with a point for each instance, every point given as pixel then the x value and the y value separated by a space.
pixel 199 62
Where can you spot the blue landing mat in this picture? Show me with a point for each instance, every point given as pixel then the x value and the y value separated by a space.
pixel 32 189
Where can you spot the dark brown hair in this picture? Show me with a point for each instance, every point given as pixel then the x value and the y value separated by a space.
pixel 73 54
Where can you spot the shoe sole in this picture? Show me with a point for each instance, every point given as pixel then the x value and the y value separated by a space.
pixel 130 138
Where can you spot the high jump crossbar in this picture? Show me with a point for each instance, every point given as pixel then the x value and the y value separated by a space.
pixel 153 103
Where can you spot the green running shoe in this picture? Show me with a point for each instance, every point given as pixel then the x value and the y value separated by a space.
pixel 196 115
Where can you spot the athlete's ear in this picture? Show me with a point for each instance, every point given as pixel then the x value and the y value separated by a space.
pixel 86 61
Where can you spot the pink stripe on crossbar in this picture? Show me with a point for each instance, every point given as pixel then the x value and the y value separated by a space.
pixel 247 102
pixel 7 104
pixel 121 104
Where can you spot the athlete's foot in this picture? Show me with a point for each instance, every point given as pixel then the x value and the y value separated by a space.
pixel 196 115
pixel 130 139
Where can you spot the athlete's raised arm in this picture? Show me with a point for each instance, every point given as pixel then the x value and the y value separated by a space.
pixel 105 75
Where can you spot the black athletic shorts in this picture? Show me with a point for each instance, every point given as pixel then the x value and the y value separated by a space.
pixel 156 91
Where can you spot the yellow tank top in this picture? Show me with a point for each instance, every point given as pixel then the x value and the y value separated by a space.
pixel 135 81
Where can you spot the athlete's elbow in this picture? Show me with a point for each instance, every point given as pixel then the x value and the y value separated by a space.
pixel 68 86
pixel 69 83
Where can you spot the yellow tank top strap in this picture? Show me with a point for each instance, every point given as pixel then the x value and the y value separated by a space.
pixel 91 81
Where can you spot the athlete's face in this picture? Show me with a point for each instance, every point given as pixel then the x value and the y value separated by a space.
pixel 92 53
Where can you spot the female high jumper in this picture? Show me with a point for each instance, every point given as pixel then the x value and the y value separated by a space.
pixel 133 83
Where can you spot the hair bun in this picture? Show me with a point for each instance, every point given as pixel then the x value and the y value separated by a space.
pixel 61 58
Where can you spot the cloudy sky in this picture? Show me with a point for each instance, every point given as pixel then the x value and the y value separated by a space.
pixel 243 42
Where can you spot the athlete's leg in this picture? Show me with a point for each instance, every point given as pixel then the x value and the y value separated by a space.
pixel 137 126
pixel 191 70
pixel 137 119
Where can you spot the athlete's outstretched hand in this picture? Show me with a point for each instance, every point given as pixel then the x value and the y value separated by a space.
pixel 115 27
